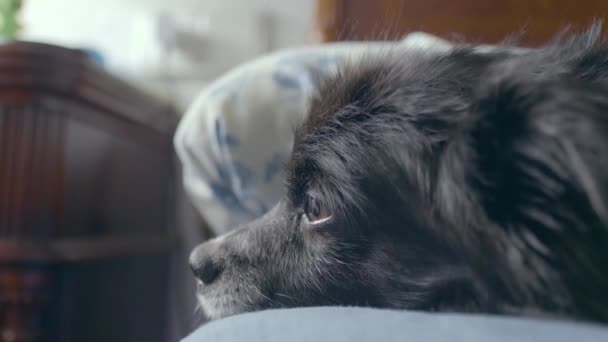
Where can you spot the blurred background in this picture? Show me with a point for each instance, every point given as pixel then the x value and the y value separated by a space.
pixel 94 225
pixel 172 47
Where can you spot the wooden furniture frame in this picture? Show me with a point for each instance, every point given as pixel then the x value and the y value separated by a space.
pixel 86 200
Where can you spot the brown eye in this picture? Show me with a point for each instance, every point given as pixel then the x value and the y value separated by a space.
pixel 315 212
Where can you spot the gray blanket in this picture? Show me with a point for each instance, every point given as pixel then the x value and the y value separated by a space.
pixel 341 324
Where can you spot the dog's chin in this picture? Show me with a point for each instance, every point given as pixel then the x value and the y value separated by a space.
pixel 216 305
pixel 212 309
pixel 219 307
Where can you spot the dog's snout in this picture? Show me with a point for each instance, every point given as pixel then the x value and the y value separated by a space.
pixel 203 266
pixel 207 272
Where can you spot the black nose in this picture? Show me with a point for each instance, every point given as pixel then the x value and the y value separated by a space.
pixel 203 266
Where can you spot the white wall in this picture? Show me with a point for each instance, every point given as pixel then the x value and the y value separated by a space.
pixel 202 38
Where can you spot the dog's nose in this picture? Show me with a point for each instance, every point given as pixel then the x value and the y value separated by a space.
pixel 203 266
pixel 207 272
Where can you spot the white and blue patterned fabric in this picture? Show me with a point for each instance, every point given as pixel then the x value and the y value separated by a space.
pixel 236 136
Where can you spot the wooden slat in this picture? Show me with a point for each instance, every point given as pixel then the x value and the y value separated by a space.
pixel 31 170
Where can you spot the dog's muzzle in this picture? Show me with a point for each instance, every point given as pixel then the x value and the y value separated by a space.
pixel 202 263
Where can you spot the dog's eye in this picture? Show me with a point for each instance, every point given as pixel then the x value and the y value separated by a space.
pixel 315 212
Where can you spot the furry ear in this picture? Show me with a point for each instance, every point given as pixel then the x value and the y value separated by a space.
pixel 542 143
pixel 540 171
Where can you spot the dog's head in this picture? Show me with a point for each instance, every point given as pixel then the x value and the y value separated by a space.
pixel 465 181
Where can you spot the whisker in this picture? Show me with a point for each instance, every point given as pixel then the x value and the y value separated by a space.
pixel 284 295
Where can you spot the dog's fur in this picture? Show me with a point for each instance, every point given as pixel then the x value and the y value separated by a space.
pixel 460 181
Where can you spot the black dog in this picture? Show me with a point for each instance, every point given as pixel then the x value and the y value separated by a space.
pixel 463 181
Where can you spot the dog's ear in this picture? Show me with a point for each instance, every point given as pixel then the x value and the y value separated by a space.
pixel 540 148
pixel 537 165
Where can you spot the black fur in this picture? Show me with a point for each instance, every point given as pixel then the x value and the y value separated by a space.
pixel 462 181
